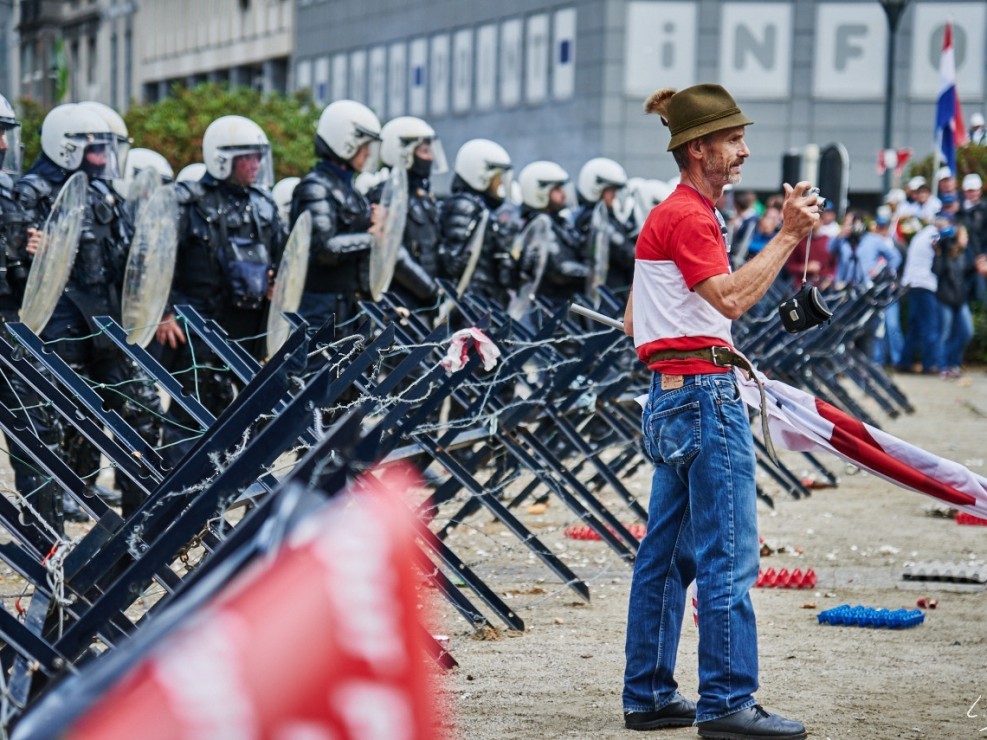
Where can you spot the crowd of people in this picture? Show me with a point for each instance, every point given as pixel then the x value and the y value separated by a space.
pixel 931 241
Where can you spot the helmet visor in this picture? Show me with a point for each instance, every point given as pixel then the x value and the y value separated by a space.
pixel 429 149
pixel 10 149
pixel 251 165
pixel 501 179
pixel 100 155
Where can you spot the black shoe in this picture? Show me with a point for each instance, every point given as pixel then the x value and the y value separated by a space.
pixel 679 712
pixel 73 512
pixel 753 722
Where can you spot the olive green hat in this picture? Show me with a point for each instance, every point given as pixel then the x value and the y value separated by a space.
pixel 695 111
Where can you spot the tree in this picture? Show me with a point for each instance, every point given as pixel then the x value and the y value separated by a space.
pixel 174 126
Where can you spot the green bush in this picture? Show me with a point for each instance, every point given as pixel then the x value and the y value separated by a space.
pixel 174 126
pixel 969 159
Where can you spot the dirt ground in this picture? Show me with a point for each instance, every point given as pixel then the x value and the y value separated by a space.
pixel 562 677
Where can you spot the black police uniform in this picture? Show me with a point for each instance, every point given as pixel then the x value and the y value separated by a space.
pixel 94 289
pixel 459 216
pixel 41 421
pixel 229 238
pixel 417 262
pixel 565 271
pixel 339 268
pixel 620 271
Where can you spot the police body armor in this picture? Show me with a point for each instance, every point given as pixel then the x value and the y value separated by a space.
pixel 338 256
pixel 566 270
pixel 221 226
pixel 14 223
pixel 417 264
pixel 622 245
pixel 96 279
pixel 495 270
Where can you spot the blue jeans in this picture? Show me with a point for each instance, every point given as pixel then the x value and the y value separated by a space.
pixel 922 336
pixel 955 333
pixel 887 349
pixel 702 524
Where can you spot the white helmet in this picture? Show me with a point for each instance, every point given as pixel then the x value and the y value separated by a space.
pixel 597 175
pixel 10 129
pixel 538 180
pixel 139 160
pixel 281 192
pixel 401 136
pixel 231 136
pixel 344 127
pixel 191 172
pixel 482 163
pixel 117 126
pixel 69 129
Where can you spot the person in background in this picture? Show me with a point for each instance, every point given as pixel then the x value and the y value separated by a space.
pixel 954 265
pixel 978 132
pixel 767 228
pixel 922 335
pixel 973 215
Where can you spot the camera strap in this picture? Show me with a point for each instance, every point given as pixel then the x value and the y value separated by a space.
pixel 724 357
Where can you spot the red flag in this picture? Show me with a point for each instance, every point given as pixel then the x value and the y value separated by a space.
pixel 799 421
pixel 322 640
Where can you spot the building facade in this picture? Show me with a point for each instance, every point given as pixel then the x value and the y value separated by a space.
pixel 566 80
pixel 75 50
pixel 242 42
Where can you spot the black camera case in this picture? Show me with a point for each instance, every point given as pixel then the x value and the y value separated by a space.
pixel 804 310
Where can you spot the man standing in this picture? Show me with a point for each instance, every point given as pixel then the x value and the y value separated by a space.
pixel 229 237
pixel 702 521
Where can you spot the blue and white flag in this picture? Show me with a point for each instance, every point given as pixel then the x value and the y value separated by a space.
pixel 950 131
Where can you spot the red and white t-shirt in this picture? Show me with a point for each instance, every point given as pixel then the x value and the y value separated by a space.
pixel 680 245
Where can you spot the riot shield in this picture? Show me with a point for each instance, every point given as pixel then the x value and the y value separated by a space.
pixel 473 249
pixel 600 234
pixel 52 264
pixel 392 211
pixel 534 244
pixel 290 282
pixel 150 266
pixel 141 189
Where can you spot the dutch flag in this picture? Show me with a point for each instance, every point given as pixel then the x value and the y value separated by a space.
pixel 950 132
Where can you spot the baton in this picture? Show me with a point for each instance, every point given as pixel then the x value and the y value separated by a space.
pixel 596 316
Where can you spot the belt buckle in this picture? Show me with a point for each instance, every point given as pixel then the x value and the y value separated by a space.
pixel 715 361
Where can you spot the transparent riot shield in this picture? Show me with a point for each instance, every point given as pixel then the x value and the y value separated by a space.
pixel 534 244
pixel 289 283
pixel 473 249
pixel 600 235
pixel 52 264
pixel 150 266
pixel 392 211
pixel 142 187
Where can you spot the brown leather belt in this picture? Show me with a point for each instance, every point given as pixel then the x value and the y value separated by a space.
pixel 722 357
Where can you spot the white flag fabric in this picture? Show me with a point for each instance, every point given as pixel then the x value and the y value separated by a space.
pixel 801 422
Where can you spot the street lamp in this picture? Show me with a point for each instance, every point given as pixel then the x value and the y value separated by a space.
pixel 893 9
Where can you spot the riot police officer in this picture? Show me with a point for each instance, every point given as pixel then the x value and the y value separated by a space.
pixel 15 248
pixel 77 137
pixel 338 270
pixel 411 143
pixel 565 271
pixel 229 238
pixel 599 182
pixel 481 185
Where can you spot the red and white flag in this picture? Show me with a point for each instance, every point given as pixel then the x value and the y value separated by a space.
pixel 801 422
